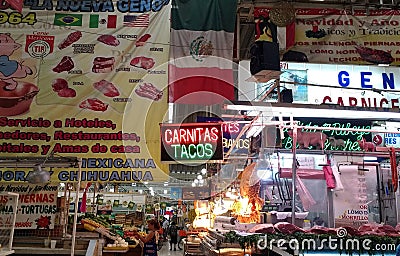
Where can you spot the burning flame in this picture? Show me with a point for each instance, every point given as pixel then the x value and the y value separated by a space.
pixel 247 210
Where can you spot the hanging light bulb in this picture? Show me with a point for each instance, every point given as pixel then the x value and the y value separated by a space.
pixel 203 171
pixel 199 177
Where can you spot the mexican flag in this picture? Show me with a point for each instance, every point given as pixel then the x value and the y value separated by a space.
pixel 202 37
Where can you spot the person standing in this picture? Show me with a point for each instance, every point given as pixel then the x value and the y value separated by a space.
pixel 150 241
pixel 173 235
pixel 165 228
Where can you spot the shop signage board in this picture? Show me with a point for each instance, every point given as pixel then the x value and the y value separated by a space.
pixel 191 142
pixel 230 129
pixel 329 35
pixel 37 206
pixel 92 80
pixel 336 139
pixel 351 204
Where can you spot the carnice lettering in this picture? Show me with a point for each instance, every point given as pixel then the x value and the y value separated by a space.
pixel 365 102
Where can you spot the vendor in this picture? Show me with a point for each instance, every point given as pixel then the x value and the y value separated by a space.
pixel 150 240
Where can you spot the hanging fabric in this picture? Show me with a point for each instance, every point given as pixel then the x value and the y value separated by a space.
pixel 393 168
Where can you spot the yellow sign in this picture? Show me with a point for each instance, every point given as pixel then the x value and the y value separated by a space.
pixel 95 89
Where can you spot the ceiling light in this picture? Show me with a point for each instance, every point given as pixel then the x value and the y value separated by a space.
pixel 203 171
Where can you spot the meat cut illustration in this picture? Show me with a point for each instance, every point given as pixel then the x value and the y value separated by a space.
pixel 94 104
pixel 142 62
pixel 58 84
pixel 70 39
pixel 374 56
pixel 66 64
pixel 108 40
pixel 67 93
pixel 103 64
pixel 148 90
pixel 107 88
pixel 142 40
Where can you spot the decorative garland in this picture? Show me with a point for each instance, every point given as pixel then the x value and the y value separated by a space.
pixel 251 241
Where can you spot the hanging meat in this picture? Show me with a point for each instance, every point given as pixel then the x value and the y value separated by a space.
pixel 66 64
pixel 374 56
pixel 107 88
pixel 70 39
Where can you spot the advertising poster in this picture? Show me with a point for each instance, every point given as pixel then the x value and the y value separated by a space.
pixel 351 204
pixel 342 36
pixel 37 206
pixel 86 79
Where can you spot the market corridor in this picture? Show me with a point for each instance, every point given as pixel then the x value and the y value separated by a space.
pixel 166 252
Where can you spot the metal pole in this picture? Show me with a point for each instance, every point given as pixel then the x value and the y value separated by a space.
pixel 294 168
pixel 78 187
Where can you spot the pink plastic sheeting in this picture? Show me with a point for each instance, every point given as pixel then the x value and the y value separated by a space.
pixel 305 197
pixel 329 178
pixel 302 173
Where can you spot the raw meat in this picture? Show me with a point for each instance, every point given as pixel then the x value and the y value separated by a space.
pixel 287 228
pixel 262 228
pixel 70 39
pixel 142 62
pixel 67 93
pixel 108 40
pixel 66 64
pixel 397 228
pixel 59 84
pixel 351 231
pixel 322 230
pixel 372 233
pixel 94 104
pixel 148 90
pixel 367 227
pixel 142 40
pixel 387 229
pixel 107 88
pixel 103 64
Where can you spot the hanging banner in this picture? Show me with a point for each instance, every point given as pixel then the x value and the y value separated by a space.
pixel 351 205
pixel 325 35
pixel 85 79
pixel 37 206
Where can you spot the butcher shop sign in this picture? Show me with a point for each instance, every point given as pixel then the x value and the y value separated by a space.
pixel 83 79
pixel 343 36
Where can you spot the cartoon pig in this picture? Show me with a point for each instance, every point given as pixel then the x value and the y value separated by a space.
pixel 10 69
pixel 306 139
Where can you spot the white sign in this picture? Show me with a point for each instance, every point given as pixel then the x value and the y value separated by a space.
pixel 37 206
